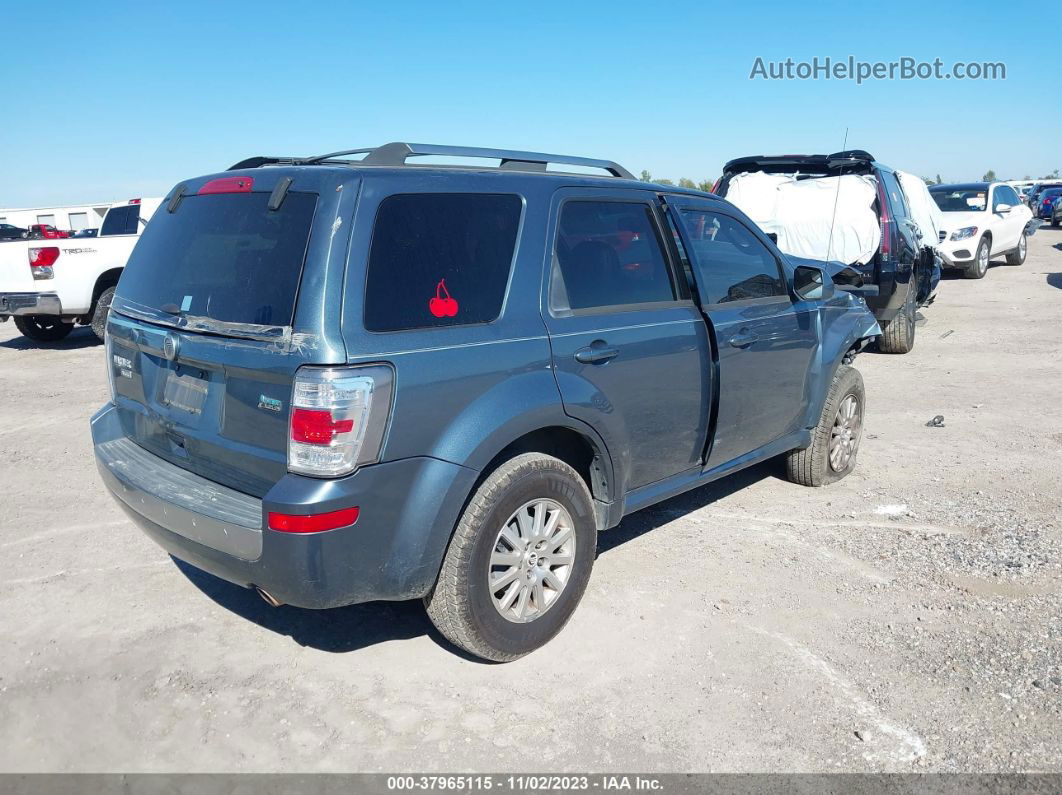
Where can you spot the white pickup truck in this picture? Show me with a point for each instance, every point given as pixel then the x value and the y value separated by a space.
pixel 48 286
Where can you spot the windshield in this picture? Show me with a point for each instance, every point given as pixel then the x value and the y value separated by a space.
pixel 221 257
pixel 959 201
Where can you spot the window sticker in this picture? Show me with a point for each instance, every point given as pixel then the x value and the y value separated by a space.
pixel 442 305
pixel 186 304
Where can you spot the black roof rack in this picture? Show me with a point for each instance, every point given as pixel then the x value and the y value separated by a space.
pixel 396 154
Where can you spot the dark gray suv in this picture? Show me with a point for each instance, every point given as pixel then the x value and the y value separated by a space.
pixel 338 380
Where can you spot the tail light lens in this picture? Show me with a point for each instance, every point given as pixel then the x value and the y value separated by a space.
pixel 886 222
pixel 338 418
pixel 313 523
pixel 228 185
pixel 41 261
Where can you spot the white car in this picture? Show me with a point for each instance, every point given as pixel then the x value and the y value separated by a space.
pixel 49 285
pixel 982 221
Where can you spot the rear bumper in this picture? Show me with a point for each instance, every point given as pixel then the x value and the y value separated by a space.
pixel 394 551
pixel 30 304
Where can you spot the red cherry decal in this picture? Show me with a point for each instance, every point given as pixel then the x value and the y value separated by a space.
pixel 442 305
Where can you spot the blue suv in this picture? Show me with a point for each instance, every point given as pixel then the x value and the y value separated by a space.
pixel 358 376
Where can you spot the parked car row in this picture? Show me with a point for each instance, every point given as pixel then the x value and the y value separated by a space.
pixel 41 232
pixel 360 377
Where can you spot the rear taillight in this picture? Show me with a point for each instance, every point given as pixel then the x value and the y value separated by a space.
pixel 228 185
pixel 313 523
pixel 338 418
pixel 886 222
pixel 41 261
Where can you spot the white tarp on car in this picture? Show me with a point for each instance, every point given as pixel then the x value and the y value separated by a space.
pixel 818 218
pixel 924 211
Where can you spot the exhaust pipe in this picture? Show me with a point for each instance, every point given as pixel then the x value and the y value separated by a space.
pixel 270 600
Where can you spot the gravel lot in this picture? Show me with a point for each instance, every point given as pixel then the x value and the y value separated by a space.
pixel 907 618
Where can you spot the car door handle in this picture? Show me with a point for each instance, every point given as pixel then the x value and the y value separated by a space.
pixel 743 339
pixel 596 353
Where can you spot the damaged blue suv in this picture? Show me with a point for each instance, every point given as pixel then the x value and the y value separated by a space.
pixel 364 376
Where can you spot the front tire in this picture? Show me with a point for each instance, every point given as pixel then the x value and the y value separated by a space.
pixel 979 267
pixel 99 314
pixel 835 440
pixel 519 559
pixel 1017 256
pixel 43 328
pixel 898 336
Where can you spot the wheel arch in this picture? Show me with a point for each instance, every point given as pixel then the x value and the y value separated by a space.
pixel 109 278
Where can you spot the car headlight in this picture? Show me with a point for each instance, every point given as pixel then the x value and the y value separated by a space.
pixel 965 232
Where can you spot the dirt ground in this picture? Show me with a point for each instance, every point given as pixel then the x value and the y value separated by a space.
pixel 907 618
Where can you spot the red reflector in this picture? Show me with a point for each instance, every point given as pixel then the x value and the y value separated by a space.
pixel 43 257
pixel 316 426
pixel 228 185
pixel 134 201
pixel 313 523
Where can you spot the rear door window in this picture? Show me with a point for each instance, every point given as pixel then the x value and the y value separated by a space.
pixel 608 254
pixel 224 257
pixel 121 221
pixel 440 259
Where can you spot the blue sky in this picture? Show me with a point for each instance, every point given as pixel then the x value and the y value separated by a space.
pixel 130 98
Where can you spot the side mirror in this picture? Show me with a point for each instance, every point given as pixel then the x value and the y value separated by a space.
pixel 811 284
pixel 1003 209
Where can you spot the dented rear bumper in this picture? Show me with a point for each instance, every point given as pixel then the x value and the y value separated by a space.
pixel 408 509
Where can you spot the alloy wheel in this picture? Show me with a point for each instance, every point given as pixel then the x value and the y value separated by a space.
pixel 844 436
pixel 531 561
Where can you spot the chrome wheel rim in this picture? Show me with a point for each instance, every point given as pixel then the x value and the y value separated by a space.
pixel 982 259
pixel 1021 247
pixel 844 437
pixel 531 560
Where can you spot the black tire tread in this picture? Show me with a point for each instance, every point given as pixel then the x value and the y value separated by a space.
pixel 99 318
pixel 1014 257
pixel 808 466
pixel 446 607
pixel 898 336
pixel 26 327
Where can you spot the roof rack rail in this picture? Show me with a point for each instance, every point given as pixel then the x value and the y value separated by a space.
pixel 396 154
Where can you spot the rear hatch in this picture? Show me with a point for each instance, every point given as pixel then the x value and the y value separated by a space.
pixel 206 332
pixel 849 162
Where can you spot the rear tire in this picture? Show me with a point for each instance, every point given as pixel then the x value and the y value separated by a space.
pixel 1017 256
pixel 43 328
pixel 898 336
pixel 100 313
pixel 491 545
pixel 979 267
pixel 835 440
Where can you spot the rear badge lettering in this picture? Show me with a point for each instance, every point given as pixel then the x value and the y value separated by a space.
pixel 124 365
pixel 269 404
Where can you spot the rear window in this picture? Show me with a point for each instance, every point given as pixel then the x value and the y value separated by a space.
pixel 223 256
pixel 121 220
pixel 440 259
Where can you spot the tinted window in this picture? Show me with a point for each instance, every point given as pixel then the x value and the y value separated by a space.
pixel 440 259
pixel 1004 194
pixel 121 220
pixel 896 197
pixel 732 264
pixel 223 256
pixel 960 201
pixel 608 254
